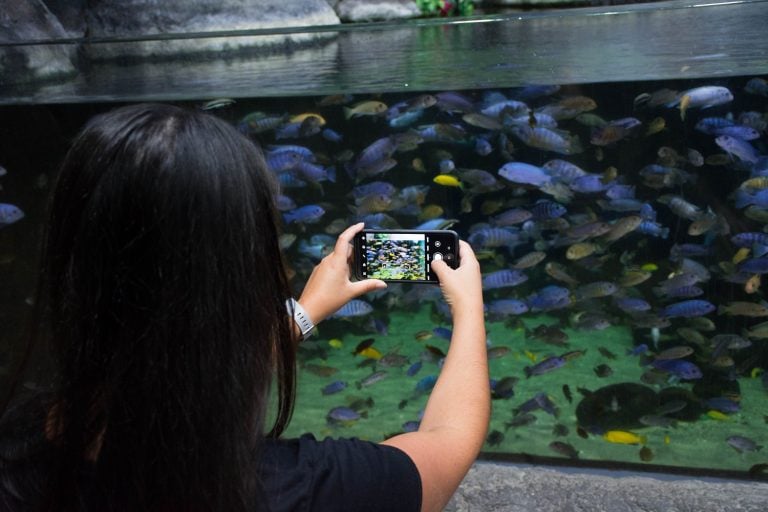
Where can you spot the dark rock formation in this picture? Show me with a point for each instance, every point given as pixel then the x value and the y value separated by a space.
pixel 131 18
pixel 30 20
pixel 376 10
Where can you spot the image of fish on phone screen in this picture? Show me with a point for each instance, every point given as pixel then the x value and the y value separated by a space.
pixel 396 256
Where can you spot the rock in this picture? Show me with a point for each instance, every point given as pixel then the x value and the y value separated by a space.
pixel 30 20
pixel 494 487
pixel 127 18
pixel 71 15
pixel 376 10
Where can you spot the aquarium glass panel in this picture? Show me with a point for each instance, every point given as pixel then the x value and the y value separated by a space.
pixel 620 222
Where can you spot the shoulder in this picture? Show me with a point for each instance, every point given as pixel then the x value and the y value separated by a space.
pixel 24 453
pixel 339 474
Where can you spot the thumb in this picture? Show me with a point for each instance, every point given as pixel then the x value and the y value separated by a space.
pixel 439 267
pixel 368 285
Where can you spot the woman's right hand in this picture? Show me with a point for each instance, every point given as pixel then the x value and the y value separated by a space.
pixel 462 286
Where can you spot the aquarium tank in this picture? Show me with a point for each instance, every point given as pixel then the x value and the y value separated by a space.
pixel 609 166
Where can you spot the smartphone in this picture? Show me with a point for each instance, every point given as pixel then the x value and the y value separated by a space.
pixel 403 255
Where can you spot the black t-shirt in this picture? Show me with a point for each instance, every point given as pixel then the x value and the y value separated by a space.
pixel 301 475
pixel 339 475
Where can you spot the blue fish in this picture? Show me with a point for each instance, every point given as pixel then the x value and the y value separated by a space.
pixel 648 227
pixel 741 149
pixel 722 404
pixel 754 266
pixel 524 174
pixel 678 367
pixel 503 279
pixel 334 387
pixel 539 401
pixel 9 214
pixel 545 209
pixel 308 214
pixel 748 239
pixel 506 307
pixel 411 426
pixel 482 146
pixel 426 384
pixel 353 308
pixel 588 184
pixel 332 135
pixel 743 198
pixel 343 416
pixel 638 350
pixel 547 365
pixel 616 191
pixel 549 298
pixel 631 304
pixel 687 309
pixel 443 332
pixel 414 368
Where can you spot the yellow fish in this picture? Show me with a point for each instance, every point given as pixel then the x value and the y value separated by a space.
pixel 530 355
pixel 667 439
pixel 418 165
pixel 366 108
pixel 684 102
pixel 741 255
pixel 448 180
pixel 423 335
pixel 370 353
pixel 717 415
pixel 580 250
pixel 752 284
pixel 300 118
pixel 649 267
pixel 756 372
pixel 431 211
pixel 655 126
pixel 336 343
pixel 623 437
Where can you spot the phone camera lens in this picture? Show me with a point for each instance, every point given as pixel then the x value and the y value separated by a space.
pixel 449 257
pixel 437 243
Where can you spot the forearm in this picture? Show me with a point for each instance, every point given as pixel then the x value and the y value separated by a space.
pixel 460 400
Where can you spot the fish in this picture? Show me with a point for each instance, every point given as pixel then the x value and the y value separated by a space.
pixel 506 278
pixel 372 379
pixel 447 180
pixel 680 368
pixel 742 444
pixel 687 309
pixel 353 308
pixel 525 174
pixel 564 449
pixel 344 416
pixel 548 334
pixel 623 437
pixel 10 214
pixel 547 365
pixel 334 387
pixel 308 214
pixel 701 97
pixel 740 308
pixel 365 108
pixel 738 148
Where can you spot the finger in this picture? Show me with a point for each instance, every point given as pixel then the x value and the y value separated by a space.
pixel 439 267
pixel 345 238
pixel 368 285
pixel 466 253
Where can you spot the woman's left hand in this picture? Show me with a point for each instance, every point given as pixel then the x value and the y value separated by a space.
pixel 329 286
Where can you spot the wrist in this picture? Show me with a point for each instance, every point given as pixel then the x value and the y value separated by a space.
pixel 301 317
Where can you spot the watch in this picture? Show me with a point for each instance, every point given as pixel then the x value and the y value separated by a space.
pixel 301 318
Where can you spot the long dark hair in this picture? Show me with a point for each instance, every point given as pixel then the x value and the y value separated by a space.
pixel 166 294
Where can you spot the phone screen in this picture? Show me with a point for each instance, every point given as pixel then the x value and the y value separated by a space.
pixel 403 255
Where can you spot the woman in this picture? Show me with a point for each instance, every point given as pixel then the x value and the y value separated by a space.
pixel 165 293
